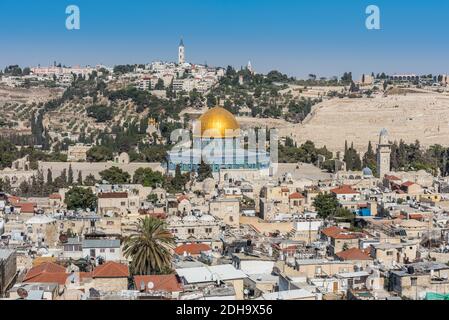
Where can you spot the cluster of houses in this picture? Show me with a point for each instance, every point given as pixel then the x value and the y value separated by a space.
pixel 253 237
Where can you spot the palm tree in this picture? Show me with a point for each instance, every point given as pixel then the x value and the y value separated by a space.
pixel 150 248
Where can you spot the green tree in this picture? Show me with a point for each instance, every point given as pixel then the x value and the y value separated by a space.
pixel 204 171
pixel 147 177
pixel 80 198
pixel 115 175
pixel 100 113
pixel 99 154
pixel 179 181
pixel 369 159
pixel 49 176
pixel 8 154
pixel 159 85
pixel 352 159
pixel 326 205
pixel 24 189
pixel 70 176
pixel 90 180
pixel 211 100
pixel 150 248
pixel 79 181
pixel 152 198
pixel 344 214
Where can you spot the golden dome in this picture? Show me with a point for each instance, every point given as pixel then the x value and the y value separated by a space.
pixel 216 121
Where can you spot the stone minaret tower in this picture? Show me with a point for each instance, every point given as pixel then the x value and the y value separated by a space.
pixel 181 53
pixel 383 154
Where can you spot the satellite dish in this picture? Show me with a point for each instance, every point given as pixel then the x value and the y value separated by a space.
pixel 63 238
pixel 22 292
pixel 150 285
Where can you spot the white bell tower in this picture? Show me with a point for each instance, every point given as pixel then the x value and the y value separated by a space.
pixel 181 53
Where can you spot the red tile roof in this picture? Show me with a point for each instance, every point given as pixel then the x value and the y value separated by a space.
pixel 48 272
pixel 167 283
pixel 296 195
pixel 183 197
pixel 26 207
pixel 349 235
pixel 331 231
pixel 388 177
pixel 13 199
pixel 353 254
pixel 48 277
pixel 113 195
pixel 55 196
pixel 111 270
pixel 291 248
pixel 416 216
pixel 339 233
pixel 345 189
pixel 192 248
pixel 407 184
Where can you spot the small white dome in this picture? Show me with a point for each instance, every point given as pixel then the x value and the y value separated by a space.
pixel 367 172
pixel 189 218
pixel 40 220
pixel 207 217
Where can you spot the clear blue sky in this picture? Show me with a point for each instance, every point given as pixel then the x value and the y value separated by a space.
pixel 325 37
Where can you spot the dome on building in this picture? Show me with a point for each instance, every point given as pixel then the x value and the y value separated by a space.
pixel 216 121
pixel 40 220
pixel 367 172
pixel 190 218
pixel 207 218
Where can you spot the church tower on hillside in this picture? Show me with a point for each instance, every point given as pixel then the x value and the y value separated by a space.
pixel 383 154
pixel 181 53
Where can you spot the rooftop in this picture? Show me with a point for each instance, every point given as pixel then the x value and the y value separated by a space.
pixel 353 254
pixel 192 248
pixel 111 270
pixel 168 283
pixel 345 189
pixel 101 243
pixel 210 274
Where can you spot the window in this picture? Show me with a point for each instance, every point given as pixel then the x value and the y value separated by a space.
pixel 389 253
pixel 208 230
pixel 102 250
pixel 190 231
pixel 112 250
pixel 414 281
pixel 123 203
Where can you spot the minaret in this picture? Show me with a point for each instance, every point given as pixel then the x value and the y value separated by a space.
pixel 250 67
pixel 181 53
pixel 383 154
